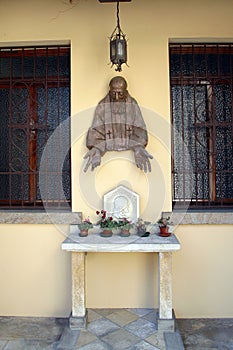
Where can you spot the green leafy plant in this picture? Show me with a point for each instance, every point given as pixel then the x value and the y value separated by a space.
pixel 164 222
pixel 106 222
pixel 125 224
pixel 86 224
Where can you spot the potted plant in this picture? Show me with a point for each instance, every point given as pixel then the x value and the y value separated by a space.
pixel 141 227
pixel 84 227
pixel 125 226
pixel 164 226
pixel 106 223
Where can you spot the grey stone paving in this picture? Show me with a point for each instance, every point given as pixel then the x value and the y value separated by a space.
pixel 27 333
pixel 207 334
pixel 115 329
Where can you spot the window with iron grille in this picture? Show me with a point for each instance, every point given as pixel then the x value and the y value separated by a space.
pixel 34 104
pixel 201 79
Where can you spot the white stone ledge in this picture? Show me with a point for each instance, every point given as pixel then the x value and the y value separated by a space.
pixel 38 217
pixel 200 217
pixel 95 243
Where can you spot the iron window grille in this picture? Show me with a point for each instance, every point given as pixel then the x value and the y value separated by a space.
pixel 201 80
pixel 34 103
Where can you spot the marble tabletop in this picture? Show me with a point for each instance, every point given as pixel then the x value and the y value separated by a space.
pixel 95 243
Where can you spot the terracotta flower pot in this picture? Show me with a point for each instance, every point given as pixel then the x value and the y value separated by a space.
pixel 164 231
pixel 83 233
pixel 124 233
pixel 106 233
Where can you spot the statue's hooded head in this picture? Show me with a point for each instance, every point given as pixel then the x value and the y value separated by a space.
pixel 118 89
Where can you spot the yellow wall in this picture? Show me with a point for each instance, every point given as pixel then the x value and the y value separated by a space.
pixel 35 273
pixel 202 272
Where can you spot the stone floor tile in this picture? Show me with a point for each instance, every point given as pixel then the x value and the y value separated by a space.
pixel 96 345
pixel 206 333
pixel 121 339
pixel 122 317
pixel 15 345
pixel 85 338
pixel 173 341
pixel 31 328
pixel 157 340
pixel 141 327
pixel 143 345
pixel 152 317
pixel 140 311
pixel 93 315
pixel 68 339
pixel 2 344
pixel 102 327
pixel 39 345
pixel 105 312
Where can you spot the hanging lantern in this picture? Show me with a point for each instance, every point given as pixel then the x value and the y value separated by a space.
pixel 118 45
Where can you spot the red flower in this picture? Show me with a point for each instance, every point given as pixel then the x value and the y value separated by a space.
pixel 104 214
pixel 97 212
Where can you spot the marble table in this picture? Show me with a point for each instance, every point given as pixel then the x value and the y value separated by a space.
pixel 80 246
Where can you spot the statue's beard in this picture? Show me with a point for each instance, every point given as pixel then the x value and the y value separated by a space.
pixel 118 107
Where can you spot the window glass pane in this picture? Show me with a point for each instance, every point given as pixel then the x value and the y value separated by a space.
pixel 200 65
pixel 64 103
pixel 19 151
pixel 224 148
pixel 224 181
pixel 187 64
pixel 175 66
pixel 16 67
pixel 222 102
pixel 57 161
pixel 212 64
pixel 4 139
pixel 52 66
pixel 19 105
pixel 34 101
pixel 28 67
pixel 225 67
pixel 40 66
pixel 19 187
pixel 52 106
pixel 201 103
pixel 64 65
pixel 4 185
pixel 4 67
pixel 201 93
pixel 202 186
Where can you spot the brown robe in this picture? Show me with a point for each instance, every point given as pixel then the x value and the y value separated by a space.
pixel 121 130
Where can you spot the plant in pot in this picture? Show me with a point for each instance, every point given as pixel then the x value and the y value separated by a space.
pixel 107 224
pixel 164 226
pixel 84 227
pixel 141 227
pixel 125 225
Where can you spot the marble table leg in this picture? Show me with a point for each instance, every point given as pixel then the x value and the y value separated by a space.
pixel 166 321
pixel 78 317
